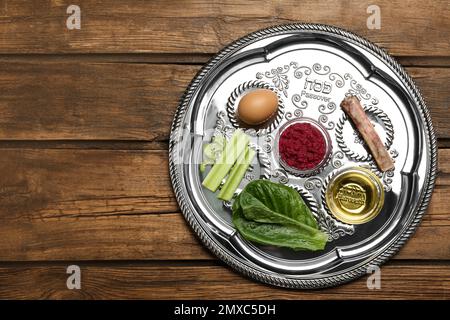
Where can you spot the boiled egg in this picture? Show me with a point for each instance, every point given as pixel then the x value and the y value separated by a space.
pixel 257 106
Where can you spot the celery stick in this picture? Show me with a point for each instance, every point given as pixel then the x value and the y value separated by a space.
pixel 233 149
pixel 212 151
pixel 236 174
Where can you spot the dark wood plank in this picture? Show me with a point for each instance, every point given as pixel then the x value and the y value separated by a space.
pixel 424 61
pixel 398 281
pixel 116 237
pixel 153 237
pixel 443 177
pixel 205 26
pixel 56 183
pixel 90 101
pixel 429 81
pixel 178 58
pixel 62 204
pixel 57 100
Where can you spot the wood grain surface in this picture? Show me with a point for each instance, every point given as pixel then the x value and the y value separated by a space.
pixel 127 101
pixel 84 124
pixel 206 26
pixel 67 204
pixel 184 281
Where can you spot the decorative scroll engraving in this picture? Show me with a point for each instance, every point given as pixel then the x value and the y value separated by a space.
pixel 328 109
pixel 296 114
pixel 264 161
pixel 221 127
pixel 249 175
pixel 394 153
pixel 300 70
pixel 298 103
pixel 387 180
pixel 279 78
pixel 338 79
pixel 356 89
pixel 329 125
pixel 313 183
pixel 280 175
pixel 317 67
pixel 336 159
pixel 333 228
pixel 267 145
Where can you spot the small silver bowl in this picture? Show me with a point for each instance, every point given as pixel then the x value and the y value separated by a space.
pixel 326 157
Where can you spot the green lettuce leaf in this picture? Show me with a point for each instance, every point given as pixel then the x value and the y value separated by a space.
pixel 270 213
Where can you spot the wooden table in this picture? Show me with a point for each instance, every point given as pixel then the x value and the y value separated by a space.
pixel 84 123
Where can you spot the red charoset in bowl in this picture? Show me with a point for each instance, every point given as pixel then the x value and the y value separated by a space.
pixel 303 146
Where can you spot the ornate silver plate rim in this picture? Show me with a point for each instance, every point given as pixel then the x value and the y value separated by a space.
pixel 273 278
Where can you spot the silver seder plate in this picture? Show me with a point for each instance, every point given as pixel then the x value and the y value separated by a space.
pixel 311 68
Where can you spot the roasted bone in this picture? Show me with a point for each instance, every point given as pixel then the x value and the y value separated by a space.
pixel 355 111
